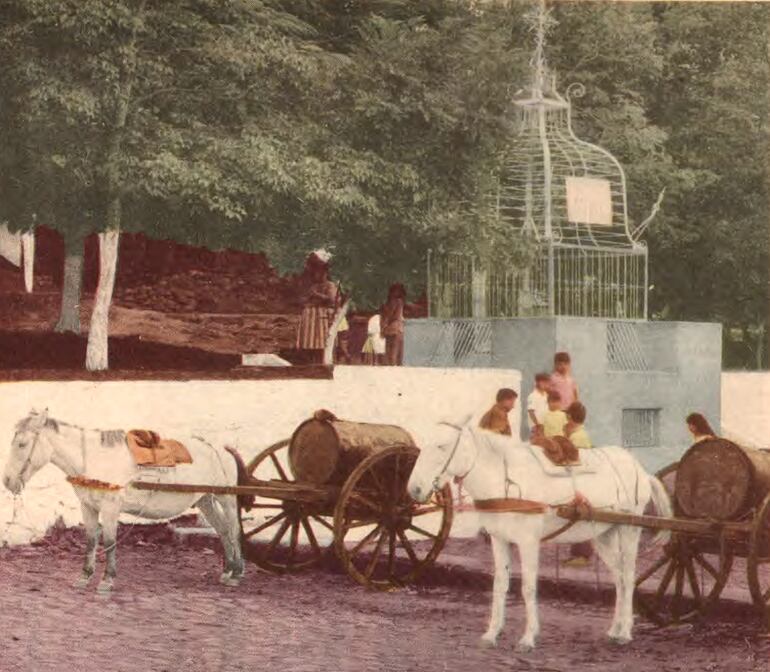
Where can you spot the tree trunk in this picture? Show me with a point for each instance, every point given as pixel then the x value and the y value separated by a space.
pixel 331 339
pixel 72 284
pixel 97 358
pixel 28 248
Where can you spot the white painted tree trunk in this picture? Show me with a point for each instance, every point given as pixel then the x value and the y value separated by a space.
pixel 331 339
pixel 28 248
pixel 97 352
pixel 69 317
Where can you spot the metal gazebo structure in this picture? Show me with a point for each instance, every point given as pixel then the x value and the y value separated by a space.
pixel 569 197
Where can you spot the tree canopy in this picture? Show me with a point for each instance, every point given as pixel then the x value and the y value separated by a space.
pixel 372 127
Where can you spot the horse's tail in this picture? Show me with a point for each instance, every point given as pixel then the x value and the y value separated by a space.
pixel 245 502
pixel 663 508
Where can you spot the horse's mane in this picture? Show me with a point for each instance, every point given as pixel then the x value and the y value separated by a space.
pixel 113 437
pixel 26 423
pixel 110 437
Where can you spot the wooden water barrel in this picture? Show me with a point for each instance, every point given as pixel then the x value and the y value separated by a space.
pixel 324 450
pixel 721 480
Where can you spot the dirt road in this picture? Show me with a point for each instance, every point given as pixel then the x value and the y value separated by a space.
pixel 169 614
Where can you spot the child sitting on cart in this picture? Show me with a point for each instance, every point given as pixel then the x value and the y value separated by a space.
pixel 555 420
pixel 581 553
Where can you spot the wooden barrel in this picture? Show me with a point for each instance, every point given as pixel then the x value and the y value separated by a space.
pixel 325 450
pixel 721 480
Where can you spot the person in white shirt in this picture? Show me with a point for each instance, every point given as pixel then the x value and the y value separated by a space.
pixel 537 404
pixel 374 347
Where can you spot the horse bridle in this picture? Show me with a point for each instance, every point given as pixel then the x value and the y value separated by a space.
pixel 28 459
pixel 451 457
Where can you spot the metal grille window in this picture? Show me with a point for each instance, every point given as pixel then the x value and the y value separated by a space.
pixel 624 348
pixel 641 427
pixel 463 343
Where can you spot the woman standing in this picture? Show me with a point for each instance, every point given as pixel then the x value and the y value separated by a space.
pixel 392 325
pixel 320 301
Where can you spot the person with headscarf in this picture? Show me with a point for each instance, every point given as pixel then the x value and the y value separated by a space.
pixel 320 300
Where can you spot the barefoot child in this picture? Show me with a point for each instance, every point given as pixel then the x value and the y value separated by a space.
pixel 580 553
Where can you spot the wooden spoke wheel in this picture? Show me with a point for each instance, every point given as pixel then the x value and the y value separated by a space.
pixel 684 582
pixel 383 538
pixel 758 560
pixel 282 535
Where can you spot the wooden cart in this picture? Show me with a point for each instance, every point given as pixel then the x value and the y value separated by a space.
pixel 340 484
pixel 721 499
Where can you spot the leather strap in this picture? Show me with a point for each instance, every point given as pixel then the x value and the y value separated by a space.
pixel 509 505
pixel 556 533
pixel 92 483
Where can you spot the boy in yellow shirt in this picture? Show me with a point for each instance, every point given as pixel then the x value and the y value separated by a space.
pixel 555 419
pixel 575 429
pixel 581 553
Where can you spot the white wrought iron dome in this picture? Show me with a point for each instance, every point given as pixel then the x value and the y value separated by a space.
pixel 553 184
pixel 557 186
pixel 570 196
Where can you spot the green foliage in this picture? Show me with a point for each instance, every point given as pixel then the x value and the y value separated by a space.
pixel 372 127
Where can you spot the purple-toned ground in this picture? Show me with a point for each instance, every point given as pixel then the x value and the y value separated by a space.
pixel 168 613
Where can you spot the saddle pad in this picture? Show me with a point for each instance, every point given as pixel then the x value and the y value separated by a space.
pixel 585 466
pixel 149 450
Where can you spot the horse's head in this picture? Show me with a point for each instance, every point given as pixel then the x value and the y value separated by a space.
pixel 440 461
pixel 29 452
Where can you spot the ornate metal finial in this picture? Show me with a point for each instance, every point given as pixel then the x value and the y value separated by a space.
pixel 540 21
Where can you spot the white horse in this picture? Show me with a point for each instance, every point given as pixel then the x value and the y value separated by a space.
pixel 493 466
pixel 104 456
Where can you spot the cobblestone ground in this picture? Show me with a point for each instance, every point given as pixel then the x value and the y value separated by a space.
pixel 168 613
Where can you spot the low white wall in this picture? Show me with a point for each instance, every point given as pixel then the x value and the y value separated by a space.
pixel 746 407
pixel 248 415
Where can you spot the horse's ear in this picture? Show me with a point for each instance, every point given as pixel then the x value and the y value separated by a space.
pixel 44 414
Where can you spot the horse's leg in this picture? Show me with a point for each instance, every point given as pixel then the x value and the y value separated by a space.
pixel 529 556
pixel 91 523
pixel 629 549
pixel 607 545
pixel 110 512
pixel 501 550
pixel 211 512
pixel 232 525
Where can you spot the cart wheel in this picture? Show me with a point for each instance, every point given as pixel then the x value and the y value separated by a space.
pixel 758 560
pixel 392 546
pixel 301 525
pixel 689 578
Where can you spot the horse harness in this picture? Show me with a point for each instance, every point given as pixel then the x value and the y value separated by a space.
pixel 500 504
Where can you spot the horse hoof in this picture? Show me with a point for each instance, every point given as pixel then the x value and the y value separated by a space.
pixel 617 640
pixel 104 588
pixel 232 582
pixel 487 643
pixel 81 583
pixel 525 647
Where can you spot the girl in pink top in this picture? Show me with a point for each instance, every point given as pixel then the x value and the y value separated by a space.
pixel 562 380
